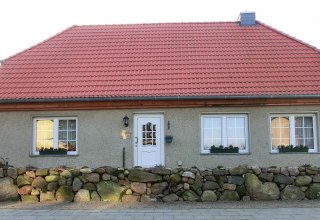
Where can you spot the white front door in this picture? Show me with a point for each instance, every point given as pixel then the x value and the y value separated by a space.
pixel 148 140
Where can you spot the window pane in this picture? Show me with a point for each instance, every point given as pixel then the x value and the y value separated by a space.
pixel 308 132
pixel 280 131
pixel 63 144
pixel 299 121
pixel 44 134
pixel 212 132
pixel 299 132
pixel 309 143
pixel 71 125
pixel 308 122
pixel 72 135
pixel 72 146
pixel 240 122
pixel 63 125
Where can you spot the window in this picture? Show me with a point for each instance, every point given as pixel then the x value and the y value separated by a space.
pixel 224 130
pixel 293 130
pixel 55 133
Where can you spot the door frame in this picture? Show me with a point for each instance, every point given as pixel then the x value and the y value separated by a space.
pixel 135 133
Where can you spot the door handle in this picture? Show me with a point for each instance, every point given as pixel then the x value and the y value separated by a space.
pixel 136 140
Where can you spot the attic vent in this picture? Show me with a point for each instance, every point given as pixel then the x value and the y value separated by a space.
pixel 247 18
pixel 1 62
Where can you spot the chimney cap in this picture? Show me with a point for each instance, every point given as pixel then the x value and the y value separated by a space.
pixel 247 18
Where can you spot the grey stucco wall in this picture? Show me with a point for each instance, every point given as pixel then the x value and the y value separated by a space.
pixel 99 141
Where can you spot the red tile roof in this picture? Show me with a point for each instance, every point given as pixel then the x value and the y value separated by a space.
pixel 215 59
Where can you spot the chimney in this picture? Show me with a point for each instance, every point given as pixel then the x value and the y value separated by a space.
pixel 247 18
pixel 1 62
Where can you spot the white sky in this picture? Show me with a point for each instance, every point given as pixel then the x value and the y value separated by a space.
pixel 24 23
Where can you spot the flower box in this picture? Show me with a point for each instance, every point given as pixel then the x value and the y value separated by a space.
pixel 229 149
pixel 293 150
pixel 168 139
pixel 51 151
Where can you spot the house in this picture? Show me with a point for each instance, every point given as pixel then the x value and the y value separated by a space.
pixel 115 94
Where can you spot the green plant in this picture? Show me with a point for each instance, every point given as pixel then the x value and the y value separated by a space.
pixel 292 148
pixel 221 149
pixel 51 151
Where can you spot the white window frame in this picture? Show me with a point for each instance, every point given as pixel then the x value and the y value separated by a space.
pixel 224 130
pixel 292 130
pixel 55 133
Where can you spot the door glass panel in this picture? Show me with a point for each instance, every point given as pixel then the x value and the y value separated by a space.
pixel 149 134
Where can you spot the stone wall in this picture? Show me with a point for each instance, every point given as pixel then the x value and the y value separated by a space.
pixel 159 184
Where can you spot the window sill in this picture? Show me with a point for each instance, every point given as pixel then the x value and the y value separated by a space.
pixel 54 155
pixel 277 153
pixel 210 154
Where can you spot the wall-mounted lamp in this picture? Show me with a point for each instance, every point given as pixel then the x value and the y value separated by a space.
pixel 126 121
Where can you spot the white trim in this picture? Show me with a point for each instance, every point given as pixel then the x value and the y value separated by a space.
pixel 224 129
pixel 55 134
pixel 135 132
pixel 292 129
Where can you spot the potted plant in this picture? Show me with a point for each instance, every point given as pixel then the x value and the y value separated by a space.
pixel 221 149
pixel 51 151
pixel 168 139
pixel 292 149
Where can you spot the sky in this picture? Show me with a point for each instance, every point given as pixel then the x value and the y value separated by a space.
pixel 24 23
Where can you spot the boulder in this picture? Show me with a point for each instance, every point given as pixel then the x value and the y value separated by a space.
pixel 220 172
pixel 143 177
pixel 130 198
pixel 54 172
pixel 316 178
pixel 190 195
pixel 161 171
pixel 303 180
pixel 31 174
pixel 237 180
pixel 176 188
pixel 12 172
pixel 148 198
pixel 209 185
pixel 89 186
pixel 21 170
pixel 241 190
pixel 91 177
pixel 66 174
pixel 75 172
pixel 293 171
pixel 82 195
pixel 189 174
pixel 8 190
pixel 47 196
pixel 292 193
pixel 95 196
pixel 283 179
pixel 314 191
pixel 29 198
pixel 1 173
pixel 158 188
pixel 140 188
pixel 208 196
pixel 110 170
pixel 238 171
pixel 106 176
pixel 42 172
pixel 175 178
pixel 266 176
pixel 100 170
pixel 256 170
pixel 64 194
pixel 22 181
pixel 38 182
pixel 53 186
pixel 76 184
pixel 62 181
pixel 229 196
pixel 274 170
pixel 86 170
pixel 259 191
pixel 52 178
pixel 34 192
pixel 25 190
pixel 110 191
pixel 229 186
pixel 170 198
